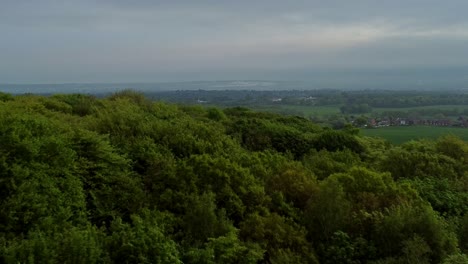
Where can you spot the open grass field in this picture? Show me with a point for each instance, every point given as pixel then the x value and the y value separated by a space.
pixel 442 107
pixel 328 110
pixel 456 109
pixel 316 110
pixel 401 134
pixel 303 110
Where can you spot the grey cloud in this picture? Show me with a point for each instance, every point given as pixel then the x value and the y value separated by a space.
pixel 81 40
pixel 426 11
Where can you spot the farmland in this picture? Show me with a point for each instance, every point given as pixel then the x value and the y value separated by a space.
pixel 327 110
pixel 303 110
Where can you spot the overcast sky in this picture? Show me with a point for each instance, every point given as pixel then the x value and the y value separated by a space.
pixel 47 41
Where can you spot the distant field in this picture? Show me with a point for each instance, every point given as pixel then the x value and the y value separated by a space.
pixel 401 134
pixel 442 107
pixel 458 108
pixel 305 111
pixel 322 111
pixel 316 110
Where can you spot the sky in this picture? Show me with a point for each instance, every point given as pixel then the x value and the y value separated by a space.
pixel 84 41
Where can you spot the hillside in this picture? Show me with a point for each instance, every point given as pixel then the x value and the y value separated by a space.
pixel 125 179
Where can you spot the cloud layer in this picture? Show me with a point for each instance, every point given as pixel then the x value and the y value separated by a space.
pixel 128 41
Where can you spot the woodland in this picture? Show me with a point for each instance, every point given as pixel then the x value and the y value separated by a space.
pixel 126 179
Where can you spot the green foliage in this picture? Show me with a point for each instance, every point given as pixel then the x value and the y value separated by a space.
pixel 37 174
pixel 403 134
pixel 371 190
pixel 132 96
pixel 111 189
pixel 294 183
pixel 324 163
pixel 414 163
pixel 71 245
pixel 328 212
pixel 456 259
pixel 463 233
pixel 5 97
pixel 333 140
pixel 282 239
pixel 236 190
pixel 225 249
pixel 80 104
pixel 201 221
pixel 216 114
pixel 141 241
pixel 446 196
pixel 400 225
pixel 343 249
pixel 123 179
pixel 454 148
pixel 259 132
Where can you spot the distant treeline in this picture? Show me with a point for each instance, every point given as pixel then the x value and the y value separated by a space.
pixel 124 179
pixel 371 98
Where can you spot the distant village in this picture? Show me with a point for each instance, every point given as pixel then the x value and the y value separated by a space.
pixel 445 122
pixel 366 108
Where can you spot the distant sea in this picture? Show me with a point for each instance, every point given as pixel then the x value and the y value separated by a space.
pixel 372 81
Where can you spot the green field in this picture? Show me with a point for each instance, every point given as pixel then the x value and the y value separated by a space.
pixel 303 110
pixel 329 110
pixel 400 134
pixel 394 134
pixel 441 107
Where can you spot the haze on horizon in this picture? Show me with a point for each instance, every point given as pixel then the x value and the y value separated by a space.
pixel 52 41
